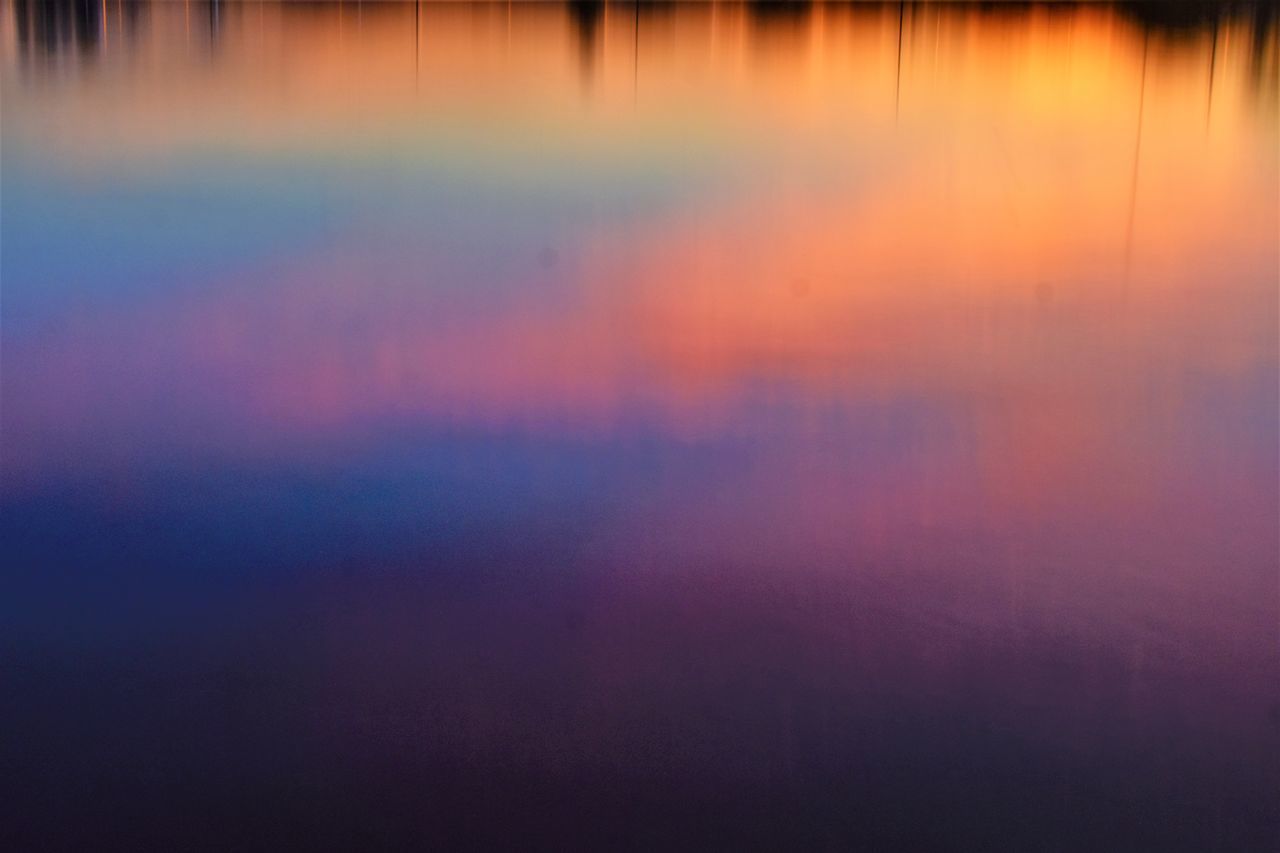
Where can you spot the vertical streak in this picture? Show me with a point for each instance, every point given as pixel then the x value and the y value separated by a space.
pixel 635 70
pixel 1137 150
pixel 1213 58
pixel 897 80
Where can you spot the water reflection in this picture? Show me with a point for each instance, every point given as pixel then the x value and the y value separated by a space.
pixel 49 30
pixel 721 424
pixel 46 29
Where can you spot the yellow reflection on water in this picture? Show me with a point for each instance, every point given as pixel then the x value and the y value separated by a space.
pixel 879 200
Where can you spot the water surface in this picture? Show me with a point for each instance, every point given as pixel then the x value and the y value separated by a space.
pixel 617 426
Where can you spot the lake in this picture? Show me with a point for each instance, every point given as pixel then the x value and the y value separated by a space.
pixel 639 426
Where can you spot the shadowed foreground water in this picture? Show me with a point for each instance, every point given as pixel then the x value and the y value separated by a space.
pixel 766 426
